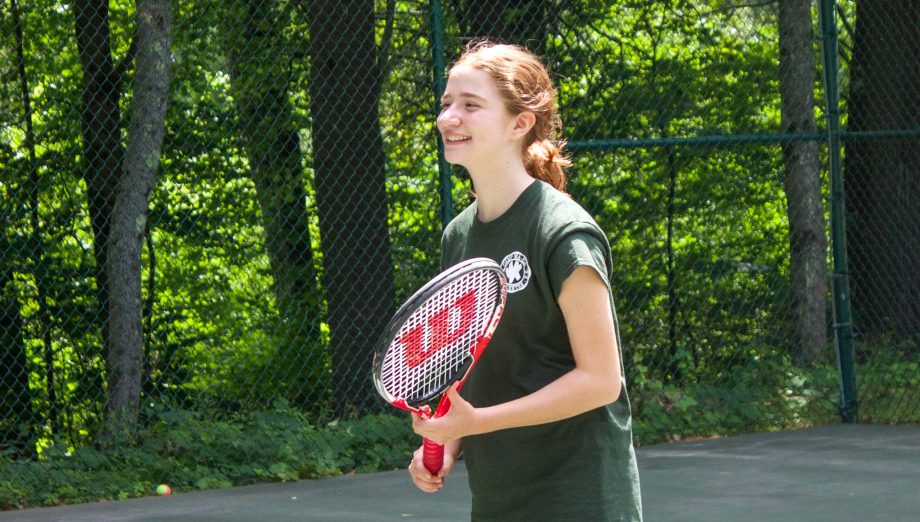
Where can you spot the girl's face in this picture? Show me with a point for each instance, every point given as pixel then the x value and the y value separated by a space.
pixel 475 124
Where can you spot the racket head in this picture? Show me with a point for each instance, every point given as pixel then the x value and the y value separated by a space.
pixel 436 336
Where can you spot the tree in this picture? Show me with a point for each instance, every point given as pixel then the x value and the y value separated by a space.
pixel 260 76
pixel 129 213
pixel 102 153
pixel 807 239
pixel 15 395
pixel 882 176
pixel 523 22
pixel 350 185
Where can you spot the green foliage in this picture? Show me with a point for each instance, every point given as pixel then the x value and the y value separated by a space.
pixel 213 325
pixel 768 392
pixel 888 382
pixel 699 237
pixel 761 396
pixel 192 451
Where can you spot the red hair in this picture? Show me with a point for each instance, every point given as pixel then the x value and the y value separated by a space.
pixel 524 83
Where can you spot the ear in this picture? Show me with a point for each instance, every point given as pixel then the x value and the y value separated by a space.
pixel 523 122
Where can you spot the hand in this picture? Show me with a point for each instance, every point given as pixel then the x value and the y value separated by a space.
pixel 458 422
pixel 423 479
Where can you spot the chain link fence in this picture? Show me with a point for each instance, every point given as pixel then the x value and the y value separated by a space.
pixel 298 198
pixel 881 162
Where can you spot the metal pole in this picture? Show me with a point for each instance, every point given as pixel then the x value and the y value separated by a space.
pixel 843 328
pixel 439 70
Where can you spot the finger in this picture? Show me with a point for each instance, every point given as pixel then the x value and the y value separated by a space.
pixel 416 423
pixel 446 468
pixel 428 488
pixel 424 480
pixel 418 471
pixel 453 393
pixel 429 480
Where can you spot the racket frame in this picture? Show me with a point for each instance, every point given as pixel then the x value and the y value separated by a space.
pixel 416 301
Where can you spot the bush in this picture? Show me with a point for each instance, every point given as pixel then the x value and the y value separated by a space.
pixel 192 451
pixel 766 395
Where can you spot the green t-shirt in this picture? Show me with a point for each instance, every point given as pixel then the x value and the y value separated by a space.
pixel 582 468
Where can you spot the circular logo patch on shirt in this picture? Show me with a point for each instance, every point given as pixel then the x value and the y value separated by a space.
pixel 517 270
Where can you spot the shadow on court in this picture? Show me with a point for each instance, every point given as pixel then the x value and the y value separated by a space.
pixel 837 473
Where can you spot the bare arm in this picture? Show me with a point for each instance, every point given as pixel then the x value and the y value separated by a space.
pixel 594 382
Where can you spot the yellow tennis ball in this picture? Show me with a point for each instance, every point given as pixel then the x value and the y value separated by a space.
pixel 163 489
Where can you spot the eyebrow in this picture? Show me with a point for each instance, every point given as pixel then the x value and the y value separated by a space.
pixel 464 95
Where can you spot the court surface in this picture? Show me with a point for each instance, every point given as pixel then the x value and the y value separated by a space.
pixel 837 473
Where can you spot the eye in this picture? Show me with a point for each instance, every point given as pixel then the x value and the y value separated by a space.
pixel 444 106
pixel 471 105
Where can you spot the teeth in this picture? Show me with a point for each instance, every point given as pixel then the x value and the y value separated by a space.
pixel 454 139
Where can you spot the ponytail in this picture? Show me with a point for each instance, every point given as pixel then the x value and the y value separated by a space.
pixel 546 161
pixel 525 85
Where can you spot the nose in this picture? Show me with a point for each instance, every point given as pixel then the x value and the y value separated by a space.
pixel 448 118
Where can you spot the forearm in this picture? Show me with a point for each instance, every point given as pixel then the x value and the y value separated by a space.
pixel 593 382
pixel 453 448
pixel 575 392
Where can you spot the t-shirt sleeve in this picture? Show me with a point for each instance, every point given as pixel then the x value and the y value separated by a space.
pixel 443 251
pixel 576 249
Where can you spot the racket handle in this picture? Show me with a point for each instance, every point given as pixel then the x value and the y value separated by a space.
pixel 432 456
pixel 432 452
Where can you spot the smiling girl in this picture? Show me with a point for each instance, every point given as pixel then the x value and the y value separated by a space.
pixel 543 421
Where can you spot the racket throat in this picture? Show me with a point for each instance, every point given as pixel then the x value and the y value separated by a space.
pixel 424 411
pixel 459 375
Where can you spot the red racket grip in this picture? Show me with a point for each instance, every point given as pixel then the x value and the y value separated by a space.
pixel 432 452
pixel 432 456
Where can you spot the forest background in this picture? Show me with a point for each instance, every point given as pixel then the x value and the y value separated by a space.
pixel 211 209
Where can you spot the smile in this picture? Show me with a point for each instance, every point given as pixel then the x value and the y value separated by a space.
pixel 456 139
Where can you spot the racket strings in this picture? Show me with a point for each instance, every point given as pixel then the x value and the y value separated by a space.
pixel 436 341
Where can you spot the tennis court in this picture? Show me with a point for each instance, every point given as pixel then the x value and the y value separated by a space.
pixel 293 193
pixel 839 472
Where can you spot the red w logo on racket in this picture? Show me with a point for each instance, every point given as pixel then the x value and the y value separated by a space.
pixel 451 318
pixel 438 328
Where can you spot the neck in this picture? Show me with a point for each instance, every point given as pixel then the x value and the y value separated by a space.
pixel 497 188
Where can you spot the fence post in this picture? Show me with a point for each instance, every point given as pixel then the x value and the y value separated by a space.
pixel 439 70
pixel 843 328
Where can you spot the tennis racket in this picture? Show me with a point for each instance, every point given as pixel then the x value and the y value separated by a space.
pixel 436 337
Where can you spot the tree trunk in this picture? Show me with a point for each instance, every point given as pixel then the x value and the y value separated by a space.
pixel 882 176
pixel 807 238
pixel 102 153
pixel 350 187
pixel 15 395
pixel 260 77
pixel 129 216
pixel 18 425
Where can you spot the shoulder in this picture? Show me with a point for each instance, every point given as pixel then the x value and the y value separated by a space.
pixel 561 216
pixel 553 197
pixel 455 235
pixel 572 238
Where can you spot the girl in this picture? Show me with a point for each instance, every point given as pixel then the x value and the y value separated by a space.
pixel 543 420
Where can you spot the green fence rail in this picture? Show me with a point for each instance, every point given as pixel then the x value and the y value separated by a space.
pixel 199 248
